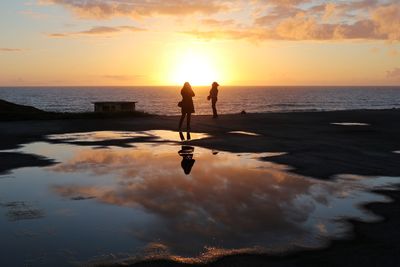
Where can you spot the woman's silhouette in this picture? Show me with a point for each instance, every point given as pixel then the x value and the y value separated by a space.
pixel 186 105
pixel 213 96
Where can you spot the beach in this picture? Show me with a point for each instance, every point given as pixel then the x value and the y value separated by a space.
pixel 200 133
pixel 319 145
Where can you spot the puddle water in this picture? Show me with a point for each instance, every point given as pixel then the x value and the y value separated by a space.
pixel 171 201
pixel 153 135
pixel 350 123
pixel 244 133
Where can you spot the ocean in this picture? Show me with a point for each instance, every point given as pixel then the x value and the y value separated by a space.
pixel 232 99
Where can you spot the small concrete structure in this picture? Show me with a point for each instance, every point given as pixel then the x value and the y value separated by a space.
pixel 115 106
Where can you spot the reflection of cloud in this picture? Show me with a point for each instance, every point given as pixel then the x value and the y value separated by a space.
pixel 65 212
pixel 19 210
pixel 239 200
pixel 97 31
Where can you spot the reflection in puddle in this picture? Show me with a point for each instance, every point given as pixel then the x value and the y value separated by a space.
pixel 173 136
pixel 95 136
pixel 173 201
pixel 187 158
pixel 19 210
pixel 350 123
pixel 244 133
pixel 163 135
pixel 397 151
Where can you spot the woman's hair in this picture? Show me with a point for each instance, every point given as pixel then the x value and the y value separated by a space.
pixel 186 85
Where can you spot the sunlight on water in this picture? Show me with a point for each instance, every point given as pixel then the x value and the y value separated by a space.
pixel 166 200
pixel 231 99
pixel 244 133
pixel 163 135
pixel 350 123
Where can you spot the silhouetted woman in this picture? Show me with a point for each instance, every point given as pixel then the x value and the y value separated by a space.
pixel 214 98
pixel 186 105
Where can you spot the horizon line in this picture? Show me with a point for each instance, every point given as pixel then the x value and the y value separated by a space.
pixel 230 85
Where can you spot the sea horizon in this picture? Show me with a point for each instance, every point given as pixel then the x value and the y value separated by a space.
pixel 162 100
pixel 179 85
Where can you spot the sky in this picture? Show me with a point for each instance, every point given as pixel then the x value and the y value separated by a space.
pixel 237 42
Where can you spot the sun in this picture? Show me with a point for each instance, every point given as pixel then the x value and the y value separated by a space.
pixel 195 67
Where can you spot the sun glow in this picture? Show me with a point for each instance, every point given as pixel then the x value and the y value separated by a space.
pixel 195 67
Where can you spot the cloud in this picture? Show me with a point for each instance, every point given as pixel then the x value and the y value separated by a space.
pixel 121 77
pixel 5 49
pixel 286 2
pixel 217 23
pixel 387 21
pixel 298 28
pixel 33 14
pixel 288 21
pixel 97 31
pixel 101 9
pixel 266 19
pixel 231 34
pixel 393 74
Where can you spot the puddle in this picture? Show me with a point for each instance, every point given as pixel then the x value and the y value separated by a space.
pixel 19 210
pixel 244 133
pixel 95 136
pixel 350 123
pixel 153 135
pixel 167 200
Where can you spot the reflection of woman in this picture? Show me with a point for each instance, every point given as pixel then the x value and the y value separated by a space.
pixel 187 158
pixel 186 105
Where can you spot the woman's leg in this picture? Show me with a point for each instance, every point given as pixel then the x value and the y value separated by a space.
pixel 189 115
pixel 181 120
pixel 214 108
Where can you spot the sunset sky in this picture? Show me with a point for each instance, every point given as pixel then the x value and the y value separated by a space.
pixel 157 42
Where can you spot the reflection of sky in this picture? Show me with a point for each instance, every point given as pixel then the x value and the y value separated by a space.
pixel 162 135
pixel 128 200
pixel 244 133
pixel 350 123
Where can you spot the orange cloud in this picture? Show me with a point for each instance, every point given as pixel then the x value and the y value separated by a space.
pixel 272 20
pixel 287 22
pixel 136 8
pixel 5 49
pixel 393 74
pixel 218 23
pixel 387 21
pixel 97 31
